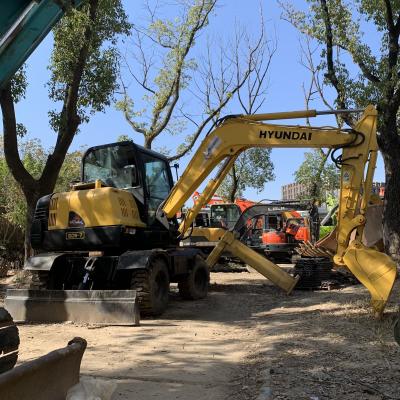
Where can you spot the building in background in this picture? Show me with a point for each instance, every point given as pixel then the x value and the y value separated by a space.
pixel 379 189
pixel 294 191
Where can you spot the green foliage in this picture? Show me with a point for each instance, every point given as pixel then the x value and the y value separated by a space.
pixel 253 169
pixel 375 77
pixel 70 171
pixel 325 230
pixel 12 204
pixel 98 82
pixel 331 201
pixel 320 176
pixel 19 84
pixel 123 138
pixel 33 156
pixel 162 57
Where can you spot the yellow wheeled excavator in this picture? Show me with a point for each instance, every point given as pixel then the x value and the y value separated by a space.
pixel 117 228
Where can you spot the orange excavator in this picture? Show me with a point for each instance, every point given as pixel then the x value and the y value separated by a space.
pixel 276 232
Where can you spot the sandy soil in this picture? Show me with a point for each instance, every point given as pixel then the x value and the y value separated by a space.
pixel 246 336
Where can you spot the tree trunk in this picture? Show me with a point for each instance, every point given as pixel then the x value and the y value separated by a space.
pixel 148 140
pixel 389 143
pixel 30 210
pixel 391 215
pixel 316 185
pixel 234 187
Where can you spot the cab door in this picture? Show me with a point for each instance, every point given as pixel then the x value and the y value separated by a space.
pixel 158 184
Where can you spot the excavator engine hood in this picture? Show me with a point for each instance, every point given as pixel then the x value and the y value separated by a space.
pixel 89 219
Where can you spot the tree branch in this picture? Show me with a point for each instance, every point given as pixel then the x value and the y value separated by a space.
pixel 171 99
pixel 69 114
pixel 11 153
pixel 331 73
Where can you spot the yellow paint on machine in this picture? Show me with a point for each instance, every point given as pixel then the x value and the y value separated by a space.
pixel 211 234
pixel 103 206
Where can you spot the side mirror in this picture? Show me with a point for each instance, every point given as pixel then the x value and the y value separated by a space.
pixel 131 169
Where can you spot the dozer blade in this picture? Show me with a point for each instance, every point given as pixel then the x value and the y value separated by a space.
pixel 110 307
pixel 46 378
pixel 375 270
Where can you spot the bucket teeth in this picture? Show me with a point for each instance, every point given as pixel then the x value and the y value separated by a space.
pixel 310 250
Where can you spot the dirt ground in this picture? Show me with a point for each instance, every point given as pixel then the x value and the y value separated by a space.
pixel 247 340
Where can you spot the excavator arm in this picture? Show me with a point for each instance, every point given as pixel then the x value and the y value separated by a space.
pixel 23 25
pixel 357 161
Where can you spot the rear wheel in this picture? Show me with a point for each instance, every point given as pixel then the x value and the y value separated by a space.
pixel 152 287
pixel 195 285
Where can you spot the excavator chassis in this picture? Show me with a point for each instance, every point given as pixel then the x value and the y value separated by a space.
pixel 106 289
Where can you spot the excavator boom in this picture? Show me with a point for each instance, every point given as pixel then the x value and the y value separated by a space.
pixel 23 26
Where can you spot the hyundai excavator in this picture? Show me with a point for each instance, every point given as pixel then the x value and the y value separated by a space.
pixel 117 229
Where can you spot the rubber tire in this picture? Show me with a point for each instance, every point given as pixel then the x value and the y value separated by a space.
pixel 195 285
pixel 152 287
pixel 9 341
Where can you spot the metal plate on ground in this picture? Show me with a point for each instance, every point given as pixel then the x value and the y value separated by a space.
pixel 46 378
pixel 106 307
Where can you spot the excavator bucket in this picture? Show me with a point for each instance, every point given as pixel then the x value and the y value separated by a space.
pixel 375 270
pixel 107 307
pixel 45 378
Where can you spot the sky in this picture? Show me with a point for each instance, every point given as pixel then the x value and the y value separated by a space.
pixel 285 93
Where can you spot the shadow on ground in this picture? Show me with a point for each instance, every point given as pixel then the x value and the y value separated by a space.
pixel 314 345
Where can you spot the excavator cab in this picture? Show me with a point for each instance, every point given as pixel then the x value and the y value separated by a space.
pixel 128 166
pixel 114 206
pixel 224 215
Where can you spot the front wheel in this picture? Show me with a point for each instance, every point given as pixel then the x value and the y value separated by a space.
pixel 152 287
pixel 195 285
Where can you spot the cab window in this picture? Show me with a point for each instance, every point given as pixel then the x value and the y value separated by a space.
pixel 114 165
pixel 158 183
